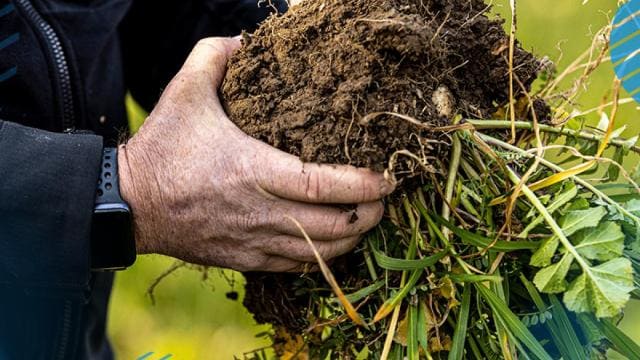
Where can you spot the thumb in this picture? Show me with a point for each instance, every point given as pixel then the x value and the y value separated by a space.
pixel 210 56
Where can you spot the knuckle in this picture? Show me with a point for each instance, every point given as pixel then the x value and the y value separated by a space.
pixel 329 251
pixel 338 227
pixel 312 186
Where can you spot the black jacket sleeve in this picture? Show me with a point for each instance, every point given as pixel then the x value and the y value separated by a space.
pixel 157 36
pixel 47 190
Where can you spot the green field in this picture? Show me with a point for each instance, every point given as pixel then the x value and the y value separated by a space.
pixel 194 319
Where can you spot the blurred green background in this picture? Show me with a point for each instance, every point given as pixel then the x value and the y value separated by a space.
pixel 193 318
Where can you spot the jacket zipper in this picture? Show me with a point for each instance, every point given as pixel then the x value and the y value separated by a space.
pixel 66 331
pixel 59 60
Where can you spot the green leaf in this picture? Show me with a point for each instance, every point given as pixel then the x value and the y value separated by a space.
pixel 551 279
pixel 565 327
pixel 484 242
pixel 389 263
pixel 464 278
pixel 580 219
pixel 605 242
pixel 423 330
pixel 603 289
pixel 511 321
pixel 362 293
pixel 460 333
pixel 590 328
pixel 621 342
pixel 412 335
pixel 578 204
pixel 544 254
pixel 635 173
pixel 613 171
pixel 633 206
pixel 569 193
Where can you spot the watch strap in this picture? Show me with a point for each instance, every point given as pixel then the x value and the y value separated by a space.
pixel 108 186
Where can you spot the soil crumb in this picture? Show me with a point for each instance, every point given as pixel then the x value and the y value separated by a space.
pixel 327 80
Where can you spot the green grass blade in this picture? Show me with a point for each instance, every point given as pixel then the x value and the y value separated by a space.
pixel 621 342
pixel 514 325
pixel 362 293
pixel 422 329
pixel 471 278
pixel 460 333
pixel 562 333
pixel 484 242
pixel 394 301
pixel 575 349
pixel 390 263
pixel 413 352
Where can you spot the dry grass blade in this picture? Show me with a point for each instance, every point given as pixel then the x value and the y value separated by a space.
pixel 556 178
pixel 328 275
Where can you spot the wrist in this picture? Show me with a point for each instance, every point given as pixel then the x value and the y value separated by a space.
pixel 131 190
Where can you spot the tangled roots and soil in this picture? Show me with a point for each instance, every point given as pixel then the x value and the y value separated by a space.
pixel 308 82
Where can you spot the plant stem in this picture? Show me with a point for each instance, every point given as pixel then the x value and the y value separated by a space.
pixel 535 201
pixel 549 164
pixel 524 125
pixel 456 153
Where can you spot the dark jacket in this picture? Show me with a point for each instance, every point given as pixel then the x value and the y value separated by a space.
pixel 65 66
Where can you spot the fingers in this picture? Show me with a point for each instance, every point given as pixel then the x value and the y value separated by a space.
pixel 324 223
pixel 283 264
pixel 297 248
pixel 209 57
pixel 288 177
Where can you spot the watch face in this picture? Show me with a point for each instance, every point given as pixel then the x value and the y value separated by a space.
pixel 112 245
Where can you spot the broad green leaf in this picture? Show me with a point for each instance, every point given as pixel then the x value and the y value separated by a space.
pixel 633 206
pixel 551 279
pixel 605 242
pixel 603 289
pixel 542 256
pixel 580 219
pixel 630 227
pixel 578 204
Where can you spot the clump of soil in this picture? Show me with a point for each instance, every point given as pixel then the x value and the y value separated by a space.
pixel 321 81
pixel 305 80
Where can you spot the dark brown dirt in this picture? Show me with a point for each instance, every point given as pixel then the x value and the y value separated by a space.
pixel 306 81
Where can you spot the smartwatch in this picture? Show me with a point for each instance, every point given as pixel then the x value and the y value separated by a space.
pixel 112 237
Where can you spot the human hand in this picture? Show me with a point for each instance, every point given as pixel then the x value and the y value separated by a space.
pixel 203 191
